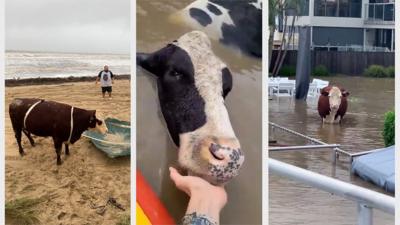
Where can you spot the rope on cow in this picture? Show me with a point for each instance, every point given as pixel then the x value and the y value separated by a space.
pixel 29 111
pixel 72 125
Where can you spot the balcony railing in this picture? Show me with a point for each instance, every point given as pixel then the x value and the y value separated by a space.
pixel 379 13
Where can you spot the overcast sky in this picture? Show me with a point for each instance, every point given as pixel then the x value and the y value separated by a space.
pixel 87 26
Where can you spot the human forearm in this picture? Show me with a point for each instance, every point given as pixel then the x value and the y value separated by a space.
pixel 204 206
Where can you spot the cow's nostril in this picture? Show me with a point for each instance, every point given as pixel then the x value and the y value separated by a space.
pixel 214 148
pixel 216 156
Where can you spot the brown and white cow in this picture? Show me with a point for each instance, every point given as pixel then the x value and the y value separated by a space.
pixel 192 84
pixel 64 123
pixel 332 104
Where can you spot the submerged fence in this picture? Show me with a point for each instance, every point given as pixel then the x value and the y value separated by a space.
pixel 348 63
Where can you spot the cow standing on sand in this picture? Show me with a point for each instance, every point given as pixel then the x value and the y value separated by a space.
pixel 332 104
pixel 192 84
pixel 64 123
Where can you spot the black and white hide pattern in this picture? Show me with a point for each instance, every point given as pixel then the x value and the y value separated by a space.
pixel 192 84
pixel 233 23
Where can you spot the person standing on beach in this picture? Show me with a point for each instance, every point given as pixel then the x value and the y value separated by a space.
pixel 106 78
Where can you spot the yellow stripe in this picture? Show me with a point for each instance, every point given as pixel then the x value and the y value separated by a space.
pixel 141 218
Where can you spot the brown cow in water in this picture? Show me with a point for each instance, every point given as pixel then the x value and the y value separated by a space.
pixel 332 104
pixel 64 123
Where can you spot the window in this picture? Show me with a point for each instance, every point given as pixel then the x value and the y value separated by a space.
pixel 337 36
pixel 338 8
pixel 302 8
pixel 319 8
pixel 381 11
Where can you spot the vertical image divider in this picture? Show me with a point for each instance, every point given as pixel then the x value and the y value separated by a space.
pixel 397 109
pixel 133 110
pixel 2 70
pixel 265 171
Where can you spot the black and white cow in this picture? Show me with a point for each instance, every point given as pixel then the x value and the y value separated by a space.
pixel 192 84
pixel 234 23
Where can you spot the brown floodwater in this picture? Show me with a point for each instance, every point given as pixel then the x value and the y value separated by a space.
pixel 156 151
pixel 291 202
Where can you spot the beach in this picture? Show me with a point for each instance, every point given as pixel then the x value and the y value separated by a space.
pixel 87 177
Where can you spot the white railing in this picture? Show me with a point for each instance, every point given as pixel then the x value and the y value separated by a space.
pixel 377 13
pixel 365 199
pixel 352 48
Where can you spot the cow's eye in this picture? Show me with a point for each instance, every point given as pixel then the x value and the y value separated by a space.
pixel 176 74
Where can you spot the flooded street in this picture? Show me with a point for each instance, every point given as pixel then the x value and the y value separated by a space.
pixel 294 203
pixel 156 151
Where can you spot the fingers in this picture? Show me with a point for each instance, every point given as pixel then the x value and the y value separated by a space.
pixel 173 173
pixel 179 180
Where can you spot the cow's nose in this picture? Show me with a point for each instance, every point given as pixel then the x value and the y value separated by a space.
pixel 223 152
pixel 217 152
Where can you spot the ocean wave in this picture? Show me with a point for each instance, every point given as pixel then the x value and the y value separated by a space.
pixel 32 65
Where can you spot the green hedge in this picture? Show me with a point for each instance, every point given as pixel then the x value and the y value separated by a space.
pixel 388 128
pixel 320 70
pixel 379 71
pixel 287 71
pixel 389 71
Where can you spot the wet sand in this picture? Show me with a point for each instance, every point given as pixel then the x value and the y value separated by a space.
pixel 86 175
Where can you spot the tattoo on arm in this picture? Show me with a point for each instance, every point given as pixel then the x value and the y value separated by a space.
pixel 197 219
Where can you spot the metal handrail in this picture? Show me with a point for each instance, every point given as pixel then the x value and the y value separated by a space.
pixel 335 149
pixel 365 198
pixel 285 148
pixel 297 134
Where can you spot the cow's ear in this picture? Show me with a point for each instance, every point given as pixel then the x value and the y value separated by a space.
pixel 152 62
pixel 345 93
pixel 142 59
pixel 226 81
pixel 92 116
pixel 324 92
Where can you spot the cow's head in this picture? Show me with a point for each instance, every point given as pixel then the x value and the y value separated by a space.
pixel 96 123
pixel 335 95
pixel 192 84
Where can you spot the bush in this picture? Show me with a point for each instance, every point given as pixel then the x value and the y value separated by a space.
pixel 389 71
pixel 287 71
pixel 124 219
pixel 375 71
pixel 22 211
pixel 388 129
pixel 320 70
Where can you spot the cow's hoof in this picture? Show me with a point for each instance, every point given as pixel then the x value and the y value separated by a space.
pixel 59 163
pixel 22 153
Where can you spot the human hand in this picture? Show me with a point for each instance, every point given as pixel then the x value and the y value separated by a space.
pixel 205 198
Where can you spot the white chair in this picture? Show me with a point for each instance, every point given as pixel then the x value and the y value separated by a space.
pixel 313 90
pixel 285 89
pixel 320 84
pixel 272 88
